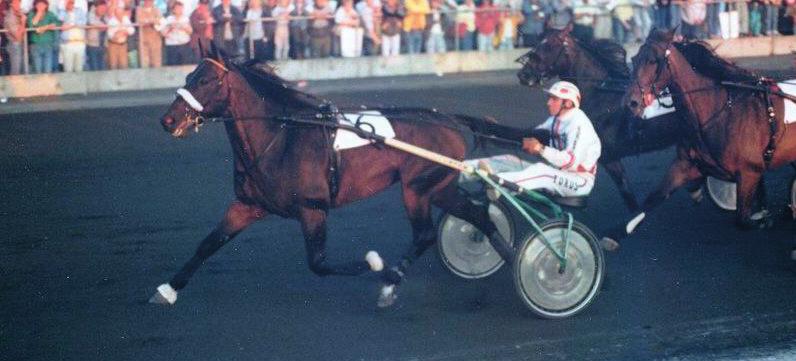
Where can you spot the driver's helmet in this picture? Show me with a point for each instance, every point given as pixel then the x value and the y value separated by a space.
pixel 565 90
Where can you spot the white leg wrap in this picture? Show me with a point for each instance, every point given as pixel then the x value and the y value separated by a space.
pixel 168 293
pixel 631 226
pixel 375 261
pixel 793 255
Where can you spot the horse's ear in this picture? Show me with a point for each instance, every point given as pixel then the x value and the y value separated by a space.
pixel 672 32
pixel 202 50
pixel 568 29
pixel 213 53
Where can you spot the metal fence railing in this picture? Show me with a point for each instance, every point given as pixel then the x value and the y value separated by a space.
pixel 452 22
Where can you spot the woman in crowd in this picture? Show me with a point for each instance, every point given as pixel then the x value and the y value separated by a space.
pixel 392 16
pixel 44 39
pixel 349 30
pixel 282 31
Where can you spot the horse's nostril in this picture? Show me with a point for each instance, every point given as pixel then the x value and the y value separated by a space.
pixel 168 120
pixel 633 104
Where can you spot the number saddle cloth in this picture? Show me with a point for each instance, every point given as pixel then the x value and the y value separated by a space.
pixel 369 120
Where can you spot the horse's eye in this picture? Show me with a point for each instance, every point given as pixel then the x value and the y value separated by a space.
pixel 204 81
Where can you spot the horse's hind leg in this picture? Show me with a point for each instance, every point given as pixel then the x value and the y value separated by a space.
pixel 313 225
pixel 617 172
pixel 458 205
pixel 418 209
pixel 238 217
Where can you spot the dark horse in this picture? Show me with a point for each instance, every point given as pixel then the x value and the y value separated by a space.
pixel 599 69
pixel 734 120
pixel 283 167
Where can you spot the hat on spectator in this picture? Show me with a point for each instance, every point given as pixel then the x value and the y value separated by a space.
pixel 565 90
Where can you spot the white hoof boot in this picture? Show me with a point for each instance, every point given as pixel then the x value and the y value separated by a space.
pixel 375 261
pixel 165 295
pixel 608 244
pixel 387 296
pixel 697 195
pixel 793 255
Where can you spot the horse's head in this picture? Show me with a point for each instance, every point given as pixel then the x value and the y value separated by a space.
pixel 651 71
pixel 205 94
pixel 550 58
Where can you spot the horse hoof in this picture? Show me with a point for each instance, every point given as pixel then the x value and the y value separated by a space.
pixel 609 244
pixel 387 296
pixel 165 295
pixel 762 219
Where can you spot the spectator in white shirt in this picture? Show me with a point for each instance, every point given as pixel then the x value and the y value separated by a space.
pixel 119 29
pixel 349 29
pixel 177 33
pixel 73 37
pixel 282 31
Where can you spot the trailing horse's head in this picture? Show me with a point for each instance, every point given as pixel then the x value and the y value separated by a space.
pixel 651 71
pixel 205 94
pixel 551 57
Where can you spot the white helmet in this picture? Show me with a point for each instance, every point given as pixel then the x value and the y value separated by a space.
pixel 565 90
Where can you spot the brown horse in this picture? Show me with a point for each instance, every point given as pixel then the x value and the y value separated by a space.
pixel 599 69
pixel 283 167
pixel 735 128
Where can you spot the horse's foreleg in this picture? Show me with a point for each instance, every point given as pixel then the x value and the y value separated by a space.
pixel 680 172
pixel 617 172
pixel 313 225
pixel 751 188
pixel 238 217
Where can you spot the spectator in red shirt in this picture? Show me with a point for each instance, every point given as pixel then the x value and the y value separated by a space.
pixel 486 20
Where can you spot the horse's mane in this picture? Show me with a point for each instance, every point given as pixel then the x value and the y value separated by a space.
pixel 263 79
pixel 706 62
pixel 608 53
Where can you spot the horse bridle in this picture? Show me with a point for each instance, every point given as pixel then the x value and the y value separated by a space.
pixel 186 95
pixel 526 58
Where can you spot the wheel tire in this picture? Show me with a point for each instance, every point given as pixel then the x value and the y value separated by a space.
pixel 722 193
pixel 465 251
pixel 542 289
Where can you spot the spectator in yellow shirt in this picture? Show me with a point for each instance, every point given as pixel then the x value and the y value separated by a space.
pixel 415 24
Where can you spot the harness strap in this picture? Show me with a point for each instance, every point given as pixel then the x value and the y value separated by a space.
pixel 768 154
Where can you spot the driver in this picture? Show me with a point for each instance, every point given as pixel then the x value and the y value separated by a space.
pixel 569 159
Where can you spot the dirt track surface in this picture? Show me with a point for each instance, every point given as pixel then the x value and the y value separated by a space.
pixel 99 207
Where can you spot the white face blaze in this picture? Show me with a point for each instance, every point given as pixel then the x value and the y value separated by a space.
pixel 188 97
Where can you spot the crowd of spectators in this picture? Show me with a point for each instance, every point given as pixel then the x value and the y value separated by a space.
pixel 78 35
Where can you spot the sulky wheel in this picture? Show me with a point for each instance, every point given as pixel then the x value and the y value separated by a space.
pixel 548 292
pixel 466 251
pixel 722 193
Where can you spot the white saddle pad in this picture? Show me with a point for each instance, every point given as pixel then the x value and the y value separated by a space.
pixel 656 109
pixel 345 139
pixel 789 87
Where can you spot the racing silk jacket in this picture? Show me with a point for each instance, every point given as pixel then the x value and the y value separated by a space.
pixel 574 145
